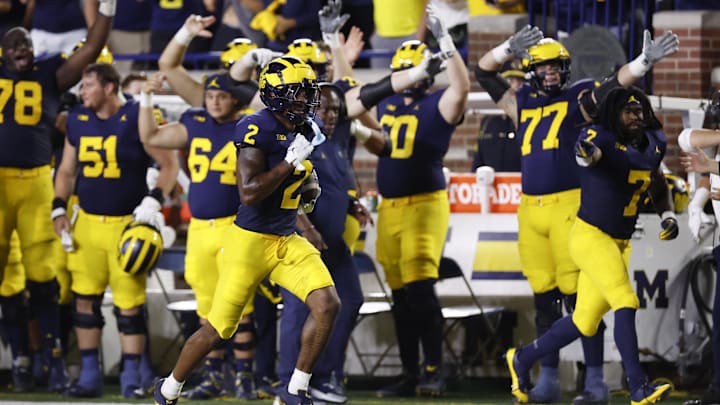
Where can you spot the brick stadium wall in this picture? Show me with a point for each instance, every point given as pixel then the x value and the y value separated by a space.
pixel 685 74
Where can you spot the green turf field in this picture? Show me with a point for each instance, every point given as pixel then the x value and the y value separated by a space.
pixel 469 391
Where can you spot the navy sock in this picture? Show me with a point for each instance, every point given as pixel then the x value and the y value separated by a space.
pixel 90 368
pixel 594 347
pixel 243 365
pixel 548 309
pixel 213 364
pixel 407 335
pixel 627 344
pixel 562 333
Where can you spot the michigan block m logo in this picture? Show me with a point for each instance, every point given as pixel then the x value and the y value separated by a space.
pixel 656 290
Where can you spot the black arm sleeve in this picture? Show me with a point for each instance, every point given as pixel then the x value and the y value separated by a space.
pixel 495 85
pixel 373 93
pixel 605 88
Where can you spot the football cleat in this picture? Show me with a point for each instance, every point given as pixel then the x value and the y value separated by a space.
pixel 159 398
pixel 404 387
pixel 518 377
pixel 649 394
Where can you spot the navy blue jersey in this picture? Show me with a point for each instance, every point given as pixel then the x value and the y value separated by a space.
pixel 133 16
pixel 29 102
pixel 211 161
pixel 277 213
pixel 58 15
pixel 547 130
pixel 497 145
pixel 612 188
pixel 331 163
pixel 111 160
pixel 420 138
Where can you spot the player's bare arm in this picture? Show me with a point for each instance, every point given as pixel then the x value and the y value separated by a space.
pixel 64 184
pixel 254 182
pixel 453 103
pixel 169 136
pixel 169 167
pixel 170 62
pixel 70 72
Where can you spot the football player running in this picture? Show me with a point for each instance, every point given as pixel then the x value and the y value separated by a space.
pixel 619 160
pixel 272 165
pixel 547 112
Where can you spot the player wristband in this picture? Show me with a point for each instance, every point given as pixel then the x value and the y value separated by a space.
pixel 639 66
pixel 446 44
pixel 332 39
pixel 145 99
pixel 183 36
pixel 59 208
pixel 157 194
pixel 668 214
pixel 502 52
pixel 107 8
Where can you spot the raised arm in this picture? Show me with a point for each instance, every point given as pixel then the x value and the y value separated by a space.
pixel 170 61
pixel 169 136
pixel 486 71
pixel 653 52
pixel 453 103
pixel 362 98
pixel 331 21
pixel 70 72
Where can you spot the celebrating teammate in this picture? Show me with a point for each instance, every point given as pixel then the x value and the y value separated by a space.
pixel 620 158
pixel 414 213
pixel 29 104
pixel 103 151
pixel 547 114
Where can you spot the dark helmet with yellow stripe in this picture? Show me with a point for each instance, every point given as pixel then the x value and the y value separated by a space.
pixel 288 86
pixel 140 247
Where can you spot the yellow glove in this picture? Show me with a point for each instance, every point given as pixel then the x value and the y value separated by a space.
pixel 266 21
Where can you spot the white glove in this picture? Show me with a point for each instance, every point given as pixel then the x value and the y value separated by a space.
pixel 168 235
pixel 151 177
pixel 66 241
pixel 298 151
pixel 107 7
pixel 259 57
pixel 696 216
pixel 653 52
pixel 149 212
